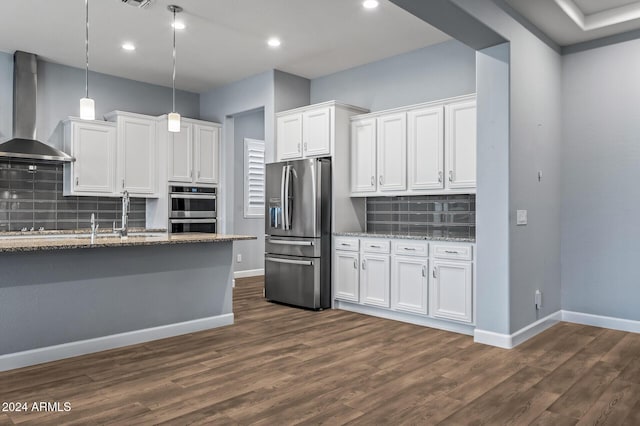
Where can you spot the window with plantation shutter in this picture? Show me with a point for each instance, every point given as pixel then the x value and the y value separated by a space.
pixel 254 177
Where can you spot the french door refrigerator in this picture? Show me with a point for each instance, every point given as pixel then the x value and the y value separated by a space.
pixel 298 233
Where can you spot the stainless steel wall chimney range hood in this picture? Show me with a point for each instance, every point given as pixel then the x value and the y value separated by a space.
pixel 24 144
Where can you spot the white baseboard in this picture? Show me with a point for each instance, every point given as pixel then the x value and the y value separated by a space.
pixel 602 321
pixel 509 341
pixel 83 347
pixel 405 317
pixel 248 273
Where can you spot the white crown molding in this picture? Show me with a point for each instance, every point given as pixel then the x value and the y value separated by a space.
pixel 601 19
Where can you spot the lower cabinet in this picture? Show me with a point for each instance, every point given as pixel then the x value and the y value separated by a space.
pixel 374 281
pixel 451 290
pixel 346 281
pixel 409 284
pixel 406 276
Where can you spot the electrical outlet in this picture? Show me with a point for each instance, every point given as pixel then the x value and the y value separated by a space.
pixel 538 299
pixel 239 258
pixel 521 217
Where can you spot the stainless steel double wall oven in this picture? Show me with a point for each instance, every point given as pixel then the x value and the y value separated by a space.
pixel 193 209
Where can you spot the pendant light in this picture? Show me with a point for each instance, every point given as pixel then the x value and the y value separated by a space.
pixel 173 119
pixel 87 106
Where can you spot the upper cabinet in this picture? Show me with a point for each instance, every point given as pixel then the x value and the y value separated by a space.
pixel 193 153
pixel 93 144
pixel 421 149
pixel 363 155
pixel 309 131
pixel 137 170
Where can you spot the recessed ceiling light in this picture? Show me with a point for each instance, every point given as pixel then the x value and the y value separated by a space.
pixel 274 42
pixel 128 46
pixel 179 25
pixel 370 4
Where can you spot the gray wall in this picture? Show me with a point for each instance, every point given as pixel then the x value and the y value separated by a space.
pixel 248 125
pixel 291 91
pixel 600 196
pixel 434 72
pixel 535 144
pixel 60 88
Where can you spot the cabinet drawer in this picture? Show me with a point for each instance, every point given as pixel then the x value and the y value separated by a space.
pixel 411 248
pixel 347 243
pixel 376 246
pixel 453 252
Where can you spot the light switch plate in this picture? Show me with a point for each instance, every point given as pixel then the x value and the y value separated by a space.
pixel 521 217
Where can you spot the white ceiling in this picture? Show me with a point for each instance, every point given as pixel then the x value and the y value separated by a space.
pixel 555 23
pixel 225 40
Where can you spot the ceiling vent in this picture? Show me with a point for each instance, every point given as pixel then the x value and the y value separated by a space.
pixel 138 3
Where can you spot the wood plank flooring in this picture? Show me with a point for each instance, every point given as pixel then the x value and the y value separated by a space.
pixel 279 365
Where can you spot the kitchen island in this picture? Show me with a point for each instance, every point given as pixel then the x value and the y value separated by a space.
pixel 62 296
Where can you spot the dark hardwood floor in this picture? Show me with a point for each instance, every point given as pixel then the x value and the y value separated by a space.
pixel 279 365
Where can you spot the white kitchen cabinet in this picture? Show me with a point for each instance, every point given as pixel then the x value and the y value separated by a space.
pixel 193 153
pixel 452 290
pixel 363 154
pixel 346 280
pixel 460 145
pixel 426 148
pixel 289 137
pixel 392 152
pixel 316 132
pixel 136 170
pixel 375 279
pixel 409 284
pixel 94 146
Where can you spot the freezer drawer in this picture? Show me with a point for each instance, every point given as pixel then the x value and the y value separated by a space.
pixel 301 247
pixel 296 281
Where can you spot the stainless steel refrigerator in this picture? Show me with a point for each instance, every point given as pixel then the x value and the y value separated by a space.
pixel 298 233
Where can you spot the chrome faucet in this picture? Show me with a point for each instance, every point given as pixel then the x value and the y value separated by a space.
pixel 123 230
pixel 94 228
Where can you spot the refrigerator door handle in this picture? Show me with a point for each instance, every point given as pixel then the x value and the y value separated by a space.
pixel 291 243
pixel 287 204
pixel 289 261
pixel 282 199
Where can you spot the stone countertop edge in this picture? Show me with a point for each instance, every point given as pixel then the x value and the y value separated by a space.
pixel 34 244
pixel 72 232
pixel 405 237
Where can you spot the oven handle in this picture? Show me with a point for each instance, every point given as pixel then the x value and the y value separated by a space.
pixel 291 243
pixel 193 220
pixel 194 196
pixel 289 261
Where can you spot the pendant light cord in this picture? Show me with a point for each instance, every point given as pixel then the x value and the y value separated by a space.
pixel 86 48
pixel 174 61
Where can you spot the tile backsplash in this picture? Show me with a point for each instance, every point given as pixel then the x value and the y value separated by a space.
pixel 431 215
pixel 34 200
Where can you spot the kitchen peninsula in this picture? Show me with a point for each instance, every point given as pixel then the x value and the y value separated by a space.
pixel 61 296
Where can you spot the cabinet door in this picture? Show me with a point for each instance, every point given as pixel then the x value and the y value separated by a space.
pixel 181 154
pixel 137 155
pixel 289 137
pixel 461 145
pixel 426 148
pixel 363 155
pixel 206 145
pixel 451 290
pixel 346 275
pixel 375 278
pixel 94 147
pixel 316 131
pixel 392 152
pixel 409 284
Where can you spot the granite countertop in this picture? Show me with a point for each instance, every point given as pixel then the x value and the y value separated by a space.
pixel 73 232
pixel 405 237
pixel 65 240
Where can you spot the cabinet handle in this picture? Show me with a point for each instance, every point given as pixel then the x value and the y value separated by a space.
pixel 355 264
pixel 364 265
pixel 450 175
pixel 345 244
pixel 380 180
pixel 440 176
pixel 122 183
pixel 305 146
pixel 373 180
pixel 410 248
pixel 77 181
pixel 434 272
pixel 451 252
pixel 198 175
pixel 374 246
pixel 424 271
pixel 298 147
